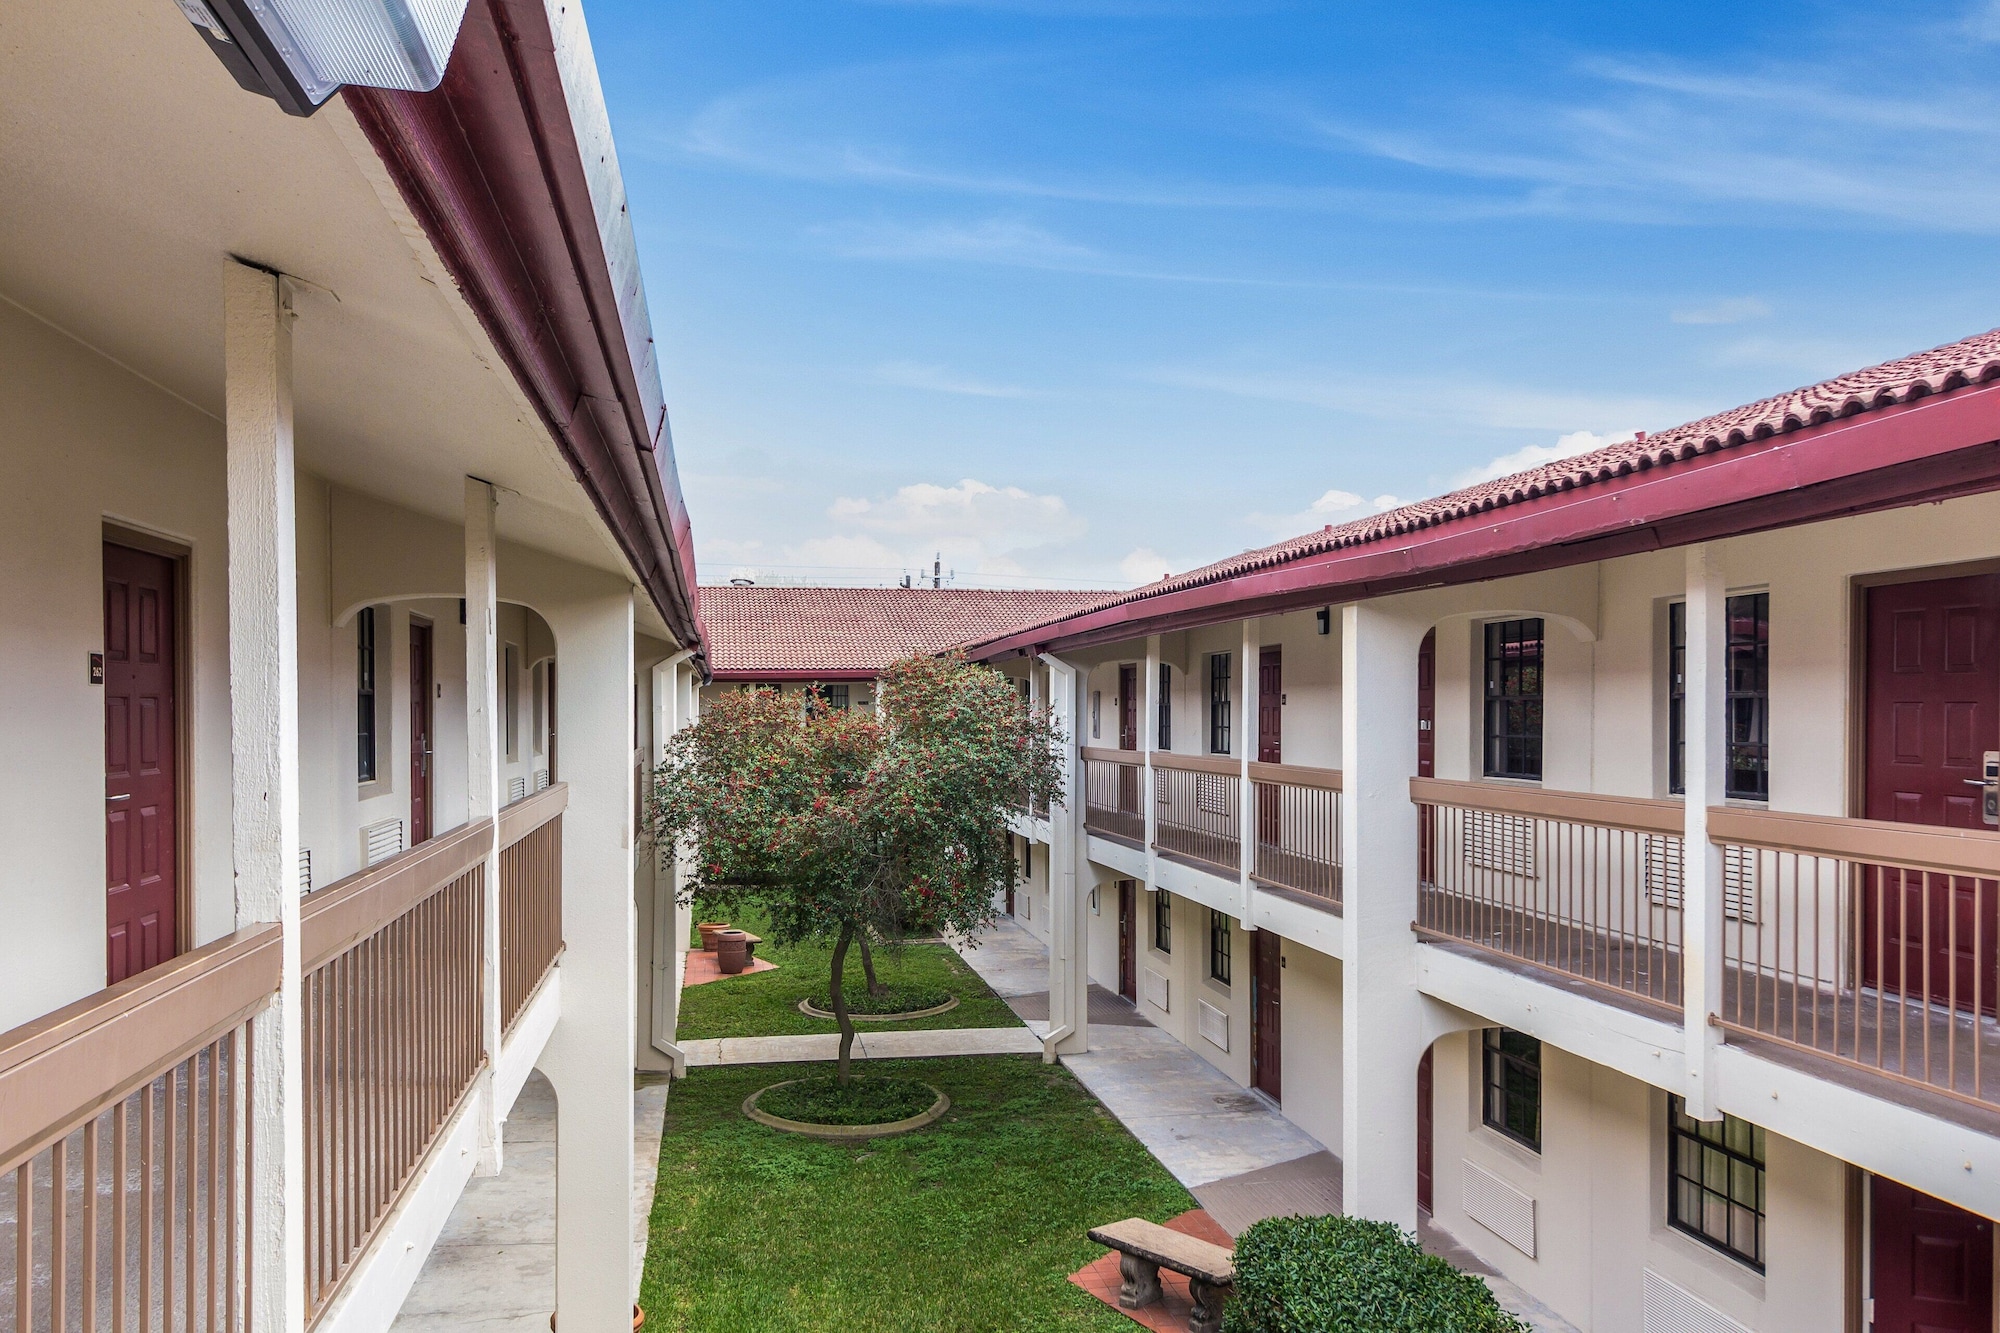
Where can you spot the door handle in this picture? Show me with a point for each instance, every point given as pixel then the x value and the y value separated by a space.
pixel 126 797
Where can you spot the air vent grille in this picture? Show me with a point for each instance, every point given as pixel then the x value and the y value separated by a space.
pixel 1213 1024
pixel 1155 991
pixel 1671 1308
pixel 1500 1208
pixel 381 840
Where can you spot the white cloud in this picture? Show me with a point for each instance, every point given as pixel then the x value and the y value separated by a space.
pixel 1145 565
pixel 1534 455
pixel 1729 310
pixel 938 379
pixel 1004 517
pixel 992 240
pixel 1330 510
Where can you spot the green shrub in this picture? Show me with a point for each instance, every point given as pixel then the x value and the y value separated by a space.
pixel 1345 1275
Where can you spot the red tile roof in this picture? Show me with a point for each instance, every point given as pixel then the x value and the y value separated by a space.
pixel 772 631
pixel 1972 360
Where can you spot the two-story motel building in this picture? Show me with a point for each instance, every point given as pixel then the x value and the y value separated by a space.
pixel 349 582
pixel 1601 860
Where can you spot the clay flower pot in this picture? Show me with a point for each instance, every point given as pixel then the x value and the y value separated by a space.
pixel 732 952
pixel 709 930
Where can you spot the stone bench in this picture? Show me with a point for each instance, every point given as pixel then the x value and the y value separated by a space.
pixel 1144 1248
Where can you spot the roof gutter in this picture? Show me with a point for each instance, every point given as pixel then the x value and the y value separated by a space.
pixel 490 165
pixel 1929 450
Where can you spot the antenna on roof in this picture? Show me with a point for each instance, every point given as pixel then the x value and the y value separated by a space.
pixel 740 582
pixel 937 570
pixel 906 579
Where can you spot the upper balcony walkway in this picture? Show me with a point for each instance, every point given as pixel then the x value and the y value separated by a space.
pixel 1198 811
pixel 128 1152
pixel 1869 947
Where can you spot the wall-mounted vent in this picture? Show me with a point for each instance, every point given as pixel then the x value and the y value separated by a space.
pixel 305 871
pixel 541 778
pixel 1666 868
pixel 1027 907
pixel 1505 843
pixel 1213 1024
pixel 1155 991
pixel 1211 794
pixel 1500 1208
pixel 1671 1308
pixel 381 840
pixel 517 789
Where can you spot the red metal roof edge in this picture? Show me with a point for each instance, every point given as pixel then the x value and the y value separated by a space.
pixel 490 166
pixel 1905 449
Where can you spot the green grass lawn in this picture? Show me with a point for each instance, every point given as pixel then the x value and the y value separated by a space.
pixel 766 1004
pixel 973 1224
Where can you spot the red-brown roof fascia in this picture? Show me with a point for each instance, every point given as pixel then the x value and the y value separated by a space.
pixel 489 165
pixel 1932 448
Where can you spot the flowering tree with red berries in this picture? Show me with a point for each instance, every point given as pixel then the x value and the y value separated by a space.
pixel 839 823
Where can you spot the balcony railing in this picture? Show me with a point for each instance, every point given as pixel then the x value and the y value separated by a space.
pixel 1113 782
pixel 124 1134
pixel 392 961
pixel 1588 886
pixel 1870 943
pixel 530 896
pixel 1298 828
pixel 1198 809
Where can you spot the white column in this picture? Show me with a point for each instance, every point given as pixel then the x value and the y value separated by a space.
pixel 482 778
pixel 1382 1014
pixel 264 757
pixel 1069 875
pixel 669 930
pixel 1246 733
pixel 588 1059
pixel 1703 724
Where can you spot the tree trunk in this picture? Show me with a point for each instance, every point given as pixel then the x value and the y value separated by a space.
pixel 868 964
pixel 839 994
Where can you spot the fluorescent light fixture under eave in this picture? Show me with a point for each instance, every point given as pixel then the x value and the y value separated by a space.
pixel 300 52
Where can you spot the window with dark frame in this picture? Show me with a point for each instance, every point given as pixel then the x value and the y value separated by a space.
pixel 1514 699
pixel 1218 703
pixel 1218 947
pixel 364 694
pixel 1746 697
pixel 1715 1182
pixel 1513 1078
pixel 1163 921
pixel 1166 740
pixel 1096 713
pixel 510 683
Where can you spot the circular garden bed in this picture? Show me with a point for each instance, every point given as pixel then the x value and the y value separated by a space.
pixel 894 1004
pixel 867 1108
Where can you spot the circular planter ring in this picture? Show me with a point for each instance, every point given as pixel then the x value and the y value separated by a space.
pixel 808 1008
pixel 918 1121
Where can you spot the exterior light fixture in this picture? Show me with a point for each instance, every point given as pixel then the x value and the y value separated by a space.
pixel 298 53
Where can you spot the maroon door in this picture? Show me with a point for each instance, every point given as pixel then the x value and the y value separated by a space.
pixel 1933 1264
pixel 1020 872
pixel 1427 755
pixel 1270 739
pixel 1933 710
pixel 1424 1077
pixel 1266 1032
pixel 422 687
pixel 141 763
pixel 1128 929
pixel 1128 737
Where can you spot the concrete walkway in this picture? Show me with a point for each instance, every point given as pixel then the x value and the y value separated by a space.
pixel 868 1045
pixel 494 1267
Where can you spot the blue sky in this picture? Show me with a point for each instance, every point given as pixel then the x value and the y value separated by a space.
pixel 1080 293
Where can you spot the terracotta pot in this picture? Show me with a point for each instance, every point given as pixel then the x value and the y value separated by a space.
pixel 709 930
pixel 732 952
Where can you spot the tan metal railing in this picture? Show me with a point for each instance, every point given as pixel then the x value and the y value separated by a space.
pixel 530 896
pixel 1298 828
pixel 1198 807
pixel 1584 885
pixel 1112 789
pixel 124 1133
pixel 1870 943
pixel 392 962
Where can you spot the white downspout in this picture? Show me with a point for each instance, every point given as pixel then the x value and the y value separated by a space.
pixel 666 915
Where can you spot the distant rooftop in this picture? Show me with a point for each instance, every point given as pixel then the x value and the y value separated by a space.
pixel 801 633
